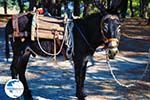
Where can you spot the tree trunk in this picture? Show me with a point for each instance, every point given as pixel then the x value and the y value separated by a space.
pixel 21 5
pixel 124 7
pixel 77 7
pixel 50 5
pixel 32 4
pixel 143 8
pixel 148 23
pixel 58 8
pixel 108 4
pixel 131 9
pixel 5 6
pixel 86 8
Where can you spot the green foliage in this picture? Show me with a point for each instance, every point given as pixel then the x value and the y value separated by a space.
pixel 26 6
pixel 13 3
pixel 136 7
pixel 1 2
pixel 10 3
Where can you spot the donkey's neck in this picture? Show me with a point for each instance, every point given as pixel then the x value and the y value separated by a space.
pixel 92 29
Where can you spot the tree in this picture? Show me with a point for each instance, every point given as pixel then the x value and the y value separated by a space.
pixel 108 4
pixel 5 6
pixel 143 8
pixel 77 7
pixel 58 7
pixel 86 7
pixel 118 7
pixel 148 21
pixel 124 7
pixel 32 4
pixel 21 5
pixel 131 8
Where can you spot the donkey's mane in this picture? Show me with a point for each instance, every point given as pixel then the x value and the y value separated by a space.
pixel 92 16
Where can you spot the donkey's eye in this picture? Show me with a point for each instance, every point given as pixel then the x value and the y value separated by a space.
pixel 118 29
pixel 119 26
pixel 105 26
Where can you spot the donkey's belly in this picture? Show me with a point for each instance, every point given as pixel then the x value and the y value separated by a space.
pixel 44 46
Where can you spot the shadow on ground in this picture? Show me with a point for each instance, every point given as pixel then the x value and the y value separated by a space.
pixel 49 81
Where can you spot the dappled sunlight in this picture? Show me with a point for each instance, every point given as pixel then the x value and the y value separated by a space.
pixel 4 79
pixel 135 36
pixel 49 80
pixel 99 97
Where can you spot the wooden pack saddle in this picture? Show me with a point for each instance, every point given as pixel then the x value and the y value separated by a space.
pixel 47 27
pixel 44 27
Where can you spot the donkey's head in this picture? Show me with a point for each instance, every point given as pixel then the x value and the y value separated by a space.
pixel 110 30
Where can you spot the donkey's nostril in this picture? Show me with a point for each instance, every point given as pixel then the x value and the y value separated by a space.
pixel 112 52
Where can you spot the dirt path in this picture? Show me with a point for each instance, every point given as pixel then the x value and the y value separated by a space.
pixel 56 82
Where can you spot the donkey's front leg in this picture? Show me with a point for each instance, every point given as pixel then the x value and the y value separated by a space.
pixel 80 73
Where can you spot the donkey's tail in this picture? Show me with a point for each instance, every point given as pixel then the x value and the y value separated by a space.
pixel 8 31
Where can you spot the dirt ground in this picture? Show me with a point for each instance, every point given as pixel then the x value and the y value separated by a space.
pixel 49 81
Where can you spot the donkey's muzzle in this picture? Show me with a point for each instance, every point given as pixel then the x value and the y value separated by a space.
pixel 113 48
pixel 112 52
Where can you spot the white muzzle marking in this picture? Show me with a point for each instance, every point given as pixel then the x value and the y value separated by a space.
pixel 113 44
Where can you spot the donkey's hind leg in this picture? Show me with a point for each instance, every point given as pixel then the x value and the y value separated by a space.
pixel 23 64
pixel 18 67
pixel 13 67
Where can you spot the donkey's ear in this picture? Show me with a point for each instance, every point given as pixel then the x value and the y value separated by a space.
pixel 100 7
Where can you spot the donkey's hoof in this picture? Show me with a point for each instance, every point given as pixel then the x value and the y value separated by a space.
pixel 81 96
pixel 28 95
pixel 28 98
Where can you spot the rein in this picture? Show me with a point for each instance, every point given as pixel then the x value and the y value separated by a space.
pixel 135 82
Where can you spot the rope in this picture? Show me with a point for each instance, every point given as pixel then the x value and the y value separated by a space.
pixel 113 75
pixel 54 48
pixel 147 65
pixel 31 50
pixel 48 53
pixel 70 39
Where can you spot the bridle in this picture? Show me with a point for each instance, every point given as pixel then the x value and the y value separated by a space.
pixel 105 39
